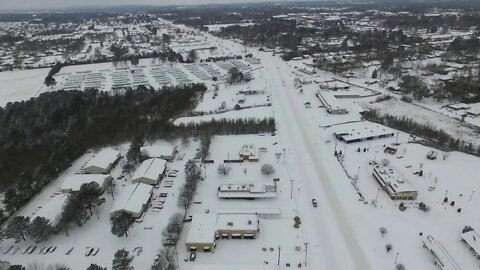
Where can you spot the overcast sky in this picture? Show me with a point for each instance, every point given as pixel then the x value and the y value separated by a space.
pixel 48 4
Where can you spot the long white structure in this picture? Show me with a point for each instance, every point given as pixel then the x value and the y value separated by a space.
pixel 149 171
pixel 472 240
pixel 362 131
pixel 247 191
pixel 74 182
pixel 103 161
pixel 133 200
pixel 442 258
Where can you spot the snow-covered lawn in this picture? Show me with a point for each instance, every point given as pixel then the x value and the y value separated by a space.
pixel 21 84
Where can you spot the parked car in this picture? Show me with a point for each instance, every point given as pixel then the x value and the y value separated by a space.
pixel 89 252
pixel 314 203
pixel 193 256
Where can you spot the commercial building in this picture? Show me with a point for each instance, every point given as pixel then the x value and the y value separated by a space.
pixel 442 258
pixel 395 185
pixel 362 131
pixel 247 191
pixel 164 151
pixel 331 104
pixel 472 240
pixel 74 182
pixel 102 162
pixel 207 228
pixel 150 171
pixel 248 153
pixel 133 200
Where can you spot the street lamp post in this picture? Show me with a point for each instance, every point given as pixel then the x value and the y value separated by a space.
pixel 376 198
pixel 396 257
pixel 291 188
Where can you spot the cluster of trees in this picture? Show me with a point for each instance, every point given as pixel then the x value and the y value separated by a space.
pixel 173 229
pixel 414 85
pixel 192 176
pixel 460 89
pixel 21 228
pixel 49 80
pixel 42 136
pixel 121 223
pixel 408 125
pixel 235 76
pixel 79 206
pixel 134 155
pixel 229 127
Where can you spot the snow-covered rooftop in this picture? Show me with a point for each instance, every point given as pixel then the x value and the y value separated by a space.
pixel 202 230
pixel 133 198
pixel 74 182
pixel 362 130
pixel 444 260
pixel 104 158
pixel 150 168
pixel 251 190
pixel 473 240
pixel 158 150
pixel 237 222
pixel 52 209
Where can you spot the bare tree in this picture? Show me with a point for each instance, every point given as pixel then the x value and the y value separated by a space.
pixel 385 162
pixel 267 169
pixel 383 231
pixel 224 169
pixel 445 155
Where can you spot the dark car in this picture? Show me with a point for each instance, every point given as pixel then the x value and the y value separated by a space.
pixel 314 202
pixel 193 256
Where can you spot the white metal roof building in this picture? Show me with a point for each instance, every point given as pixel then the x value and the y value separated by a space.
pixel 74 182
pixel 247 191
pixel 362 131
pixel 102 162
pixel 133 200
pixel 472 240
pixel 164 150
pixel 52 209
pixel 206 228
pixel 149 171
pixel 442 258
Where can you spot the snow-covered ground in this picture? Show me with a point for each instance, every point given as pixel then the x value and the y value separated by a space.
pixel 21 84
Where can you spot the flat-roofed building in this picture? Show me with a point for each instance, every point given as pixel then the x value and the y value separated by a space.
pixel 247 191
pixel 248 153
pixel 102 162
pixel 472 240
pixel 205 229
pixel 362 131
pixel 396 186
pixel 133 200
pixel 442 257
pixel 74 182
pixel 150 171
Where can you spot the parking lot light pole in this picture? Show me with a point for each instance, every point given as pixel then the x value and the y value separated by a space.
pixel 376 198
pixel 291 188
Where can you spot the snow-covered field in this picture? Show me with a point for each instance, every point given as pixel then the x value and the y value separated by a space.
pixel 21 84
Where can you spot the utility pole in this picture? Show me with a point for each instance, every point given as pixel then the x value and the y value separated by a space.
pixel 278 263
pixel 306 252
pixel 283 156
pixel 376 198
pixel 471 196
pixel 396 257
pixel 291 188
pixel 398 134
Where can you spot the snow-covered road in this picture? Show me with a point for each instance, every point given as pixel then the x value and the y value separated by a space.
pixel 333 244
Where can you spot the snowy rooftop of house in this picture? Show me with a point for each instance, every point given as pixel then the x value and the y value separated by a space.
pixel 473 240
pixel 74 182
pixel 394 180
pixel 251 190
pixel 52 209
pixel 444 259
pixel 132 198
pixel 360 130
pixel 232 267
pixel 104 158
pixel 237 222
pixel 158 149
pixel 248 150
pixel 150 168
pixel 202 229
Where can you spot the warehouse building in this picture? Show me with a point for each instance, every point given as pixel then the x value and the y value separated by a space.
pixel 442 257
pixel 247 191
pixel 362 131
pixel 133 199
pixel 74 182
pixel 207 228
pixel 396 186
pixel 472 240
pixel 150 171
pixel 103 161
